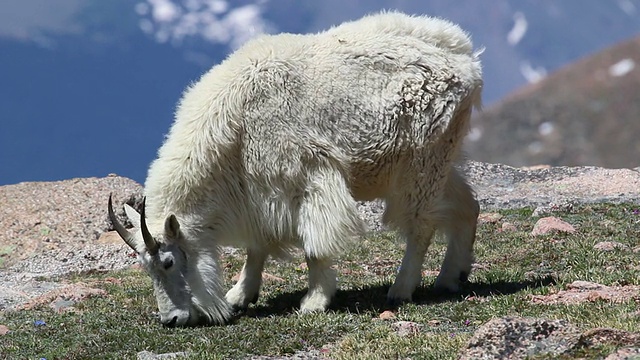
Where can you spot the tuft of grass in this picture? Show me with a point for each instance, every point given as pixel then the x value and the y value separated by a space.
pixel 4 251
pixel 511 266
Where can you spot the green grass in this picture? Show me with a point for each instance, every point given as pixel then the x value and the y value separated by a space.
pixel 512 266
pixel 5 250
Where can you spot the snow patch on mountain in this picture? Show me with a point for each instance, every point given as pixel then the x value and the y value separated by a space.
pixel 622 67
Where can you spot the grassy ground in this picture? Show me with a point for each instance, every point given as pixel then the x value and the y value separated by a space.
pixel 511 267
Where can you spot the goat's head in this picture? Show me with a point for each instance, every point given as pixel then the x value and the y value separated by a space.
pixel 186 284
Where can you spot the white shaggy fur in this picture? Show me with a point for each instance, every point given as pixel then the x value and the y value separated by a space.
pixel 273 147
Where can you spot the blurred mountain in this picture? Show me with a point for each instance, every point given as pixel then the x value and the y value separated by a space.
pixel 587 113
pixel 89 87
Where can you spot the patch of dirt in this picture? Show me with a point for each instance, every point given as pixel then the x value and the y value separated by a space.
pixel 585 291
pixel 64 298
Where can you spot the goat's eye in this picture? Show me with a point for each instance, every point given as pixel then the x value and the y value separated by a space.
pixel 168 263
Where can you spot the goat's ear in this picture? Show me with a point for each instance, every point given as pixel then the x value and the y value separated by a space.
pixel 171 227
pixel 133 215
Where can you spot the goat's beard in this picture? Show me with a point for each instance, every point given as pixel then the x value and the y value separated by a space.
pixel 205 280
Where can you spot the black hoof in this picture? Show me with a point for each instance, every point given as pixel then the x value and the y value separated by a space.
pixel 395 303
pixel 237 309
pixel 463 277
pixel 254 299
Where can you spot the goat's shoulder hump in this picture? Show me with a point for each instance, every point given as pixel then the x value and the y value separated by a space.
pixel 432 30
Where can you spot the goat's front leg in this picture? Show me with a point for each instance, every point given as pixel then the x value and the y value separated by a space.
pixel 322 285
pixel 247 289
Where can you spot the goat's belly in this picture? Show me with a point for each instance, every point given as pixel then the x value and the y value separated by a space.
pixel 370 180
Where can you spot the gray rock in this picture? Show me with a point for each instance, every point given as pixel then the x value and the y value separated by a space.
pixel 407 328
pixel 519 338
pixel 504 187
pixel 632 353
pixel 522 338
pixel 551 224
pixel 610 246
pixel 552 208
pixel 550 190
pixel 148 355
pixel 313 354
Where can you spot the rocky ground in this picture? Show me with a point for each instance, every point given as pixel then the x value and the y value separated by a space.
pixel 54 228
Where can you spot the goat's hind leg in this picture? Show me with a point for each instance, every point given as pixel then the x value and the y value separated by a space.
pixel 458 223
pixel 410 214
pixel 247 289
pixel 410 273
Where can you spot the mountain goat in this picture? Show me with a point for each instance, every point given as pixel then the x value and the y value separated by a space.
pixel 272 148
